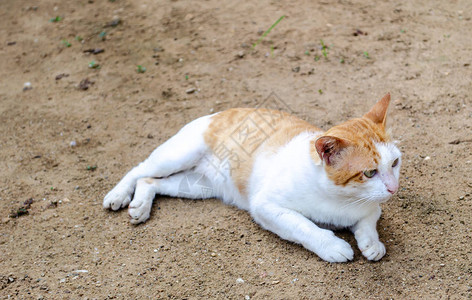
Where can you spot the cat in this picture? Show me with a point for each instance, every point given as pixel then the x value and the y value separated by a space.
pixel 293 178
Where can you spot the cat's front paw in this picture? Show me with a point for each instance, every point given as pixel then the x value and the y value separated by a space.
pixel 337 251
pixel 117 198
pixel 374 250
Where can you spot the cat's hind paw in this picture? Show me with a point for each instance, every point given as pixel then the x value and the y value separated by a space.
pixel 116 199
pixel 139 210
pixel 374 251
pixel 337 251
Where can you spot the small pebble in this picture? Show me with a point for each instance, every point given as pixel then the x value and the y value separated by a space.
pixel 240 280
pixel 247 297
pixel 62 75
pixel 73 143
pixel 27 86
pixel 427 158
pixel 115 22
pixel 191 90
pixel 85 84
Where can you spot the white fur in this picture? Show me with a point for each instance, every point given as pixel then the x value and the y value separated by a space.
pixel 288 193
pixel 180 153
pixel 287 190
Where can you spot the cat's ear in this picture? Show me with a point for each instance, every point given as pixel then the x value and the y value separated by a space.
pixel 328 147
pixel 378 113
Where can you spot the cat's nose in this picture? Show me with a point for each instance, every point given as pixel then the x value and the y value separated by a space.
pixel 391 183
pixel 392 188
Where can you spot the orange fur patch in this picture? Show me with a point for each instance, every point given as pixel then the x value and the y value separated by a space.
pixel 361 154
pixel 149 180
pixel 237 135
pixel 357 152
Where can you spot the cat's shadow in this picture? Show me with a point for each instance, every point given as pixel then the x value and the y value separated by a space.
pixel 258 234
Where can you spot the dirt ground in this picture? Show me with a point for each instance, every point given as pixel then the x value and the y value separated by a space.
pixel 86 118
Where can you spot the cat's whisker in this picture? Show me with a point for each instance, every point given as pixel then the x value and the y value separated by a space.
pixel 358 202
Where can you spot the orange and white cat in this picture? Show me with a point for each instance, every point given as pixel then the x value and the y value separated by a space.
pixel 294 179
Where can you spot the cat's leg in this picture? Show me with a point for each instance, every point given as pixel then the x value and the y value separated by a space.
pixel 181 152
pixel 187 184
pixel 293 226
pixel 365 232
pixel 139 209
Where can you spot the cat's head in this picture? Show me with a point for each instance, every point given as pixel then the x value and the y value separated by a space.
pixel 359 156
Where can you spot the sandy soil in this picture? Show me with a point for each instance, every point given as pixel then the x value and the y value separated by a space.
pixel 65 146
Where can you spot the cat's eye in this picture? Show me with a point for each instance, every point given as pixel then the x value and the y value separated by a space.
pixel 395 163
pixel 370 173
